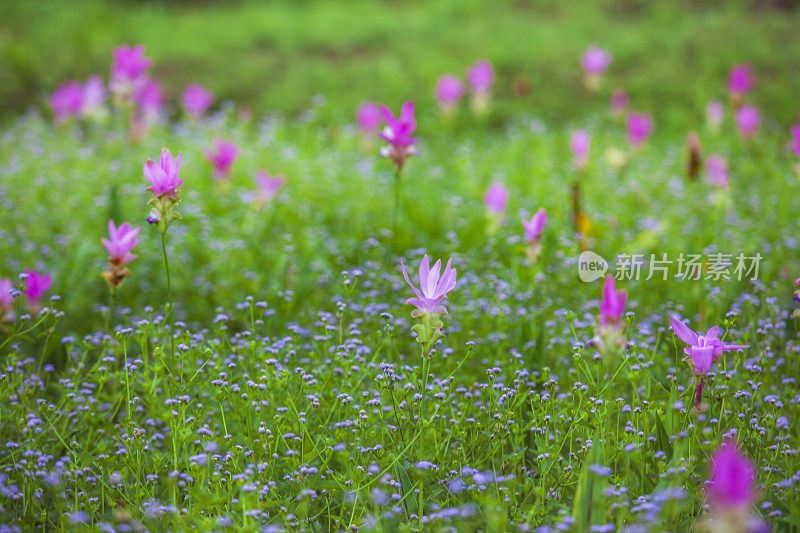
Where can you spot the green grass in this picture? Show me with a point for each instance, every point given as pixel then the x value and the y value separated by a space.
pixel 672 57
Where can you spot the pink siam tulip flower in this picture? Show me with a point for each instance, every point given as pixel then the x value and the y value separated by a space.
pixel 740 80
pixel 164 176
pixel 579 144
pixel 715 112
pixel 533 233
pixel 747 121
pixel 128 71
pixel 368 118
pixel 496 198
pixel 196 100
pixel 433 287
pixel 613 304
pixel 731 479
pixel 36 285
pixel 481 77
pixel 6 299
pixel 222 157
pixel 794 146
pixel 619 102
pixel 449 91
pixel 703 350
pixel 717 169
pixel 67 101
pixel 595 60
pixel 535 227
pixel 397 133
pixel 640 127
pixel 268 186
pixel 129 63
pixel 122 240
pixel 149 97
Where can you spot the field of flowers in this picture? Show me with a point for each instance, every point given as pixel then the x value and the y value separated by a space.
pixel 443 314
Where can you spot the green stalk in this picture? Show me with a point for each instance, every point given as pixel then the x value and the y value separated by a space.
pixel 171 313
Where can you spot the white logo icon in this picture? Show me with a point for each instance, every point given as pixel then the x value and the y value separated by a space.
pixel 591 266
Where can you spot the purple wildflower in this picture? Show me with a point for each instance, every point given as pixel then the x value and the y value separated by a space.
pixel 196 100
pixel 397 133
pixel 612 305
pixel 747 121
pixel 496 198
pixel 740 80
pixel 481 77
pixel 268 186
pixel 164 176
pixel 579 145
pixel 640 127
pixel 36 285
pixel 595 60
pixel 433 287
pixel 122 240
pixel 449 91
pixel 368 118
pixel 222 157
pixel 731 478
pixel 703 350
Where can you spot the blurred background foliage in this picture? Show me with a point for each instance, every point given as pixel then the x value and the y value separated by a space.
pixel 276 56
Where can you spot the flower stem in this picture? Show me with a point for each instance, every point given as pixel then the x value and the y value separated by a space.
pixel 396 212
pixel 169 296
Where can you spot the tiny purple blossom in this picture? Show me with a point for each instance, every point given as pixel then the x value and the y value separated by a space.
pixel 481 76
pixel 268 185
pixel 122 240
pixel 67 100
pixel 579 145
pixel 703 350
pixel 449 90
pixel 368 117
pixel 613 303
pixel 222 157
pixel 747 121
pixel 740 80
pixel 196 99
pixel 164 176
pixel 496 198
pixel 640 127
pixel 717 169
pixel 535 227
pixel 595 60
pixel 433 286
pixel 36 285
pixel 715 112
pixel 731 478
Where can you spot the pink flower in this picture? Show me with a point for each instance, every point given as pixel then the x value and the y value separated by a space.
pixel 795 144
pixel 579 144
pixel 613 303
pixel 449 90
pixel 268 185
pixel 715 112
pixel 397 133
pixel 433 287
pixel 717 169
pixel 149 96
pixel 595 60
pixel 703 350
pixel 740 80
pixel 36 285
pixel 122 240
pixel 368 117
pixel 481 76
pixel 67 100
pixel 640 127
pixel 222 157
pixel 6 298
pixel 619 101
pixel 94 92
pixel 129 63
pixel 164 177
pixel 496 198
pixel 197 99
pixel 747 120
pixel 534 228
pixel 731 479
